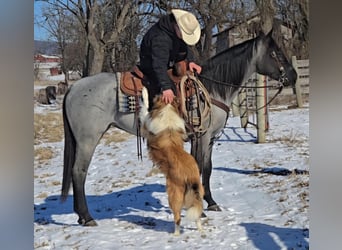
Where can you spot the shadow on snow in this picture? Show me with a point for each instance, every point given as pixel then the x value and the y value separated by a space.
pixel 239 136
pixel 266 237
pixel 270 170
pixel 117 205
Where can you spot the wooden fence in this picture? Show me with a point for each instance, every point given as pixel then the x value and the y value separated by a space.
pixel 250 104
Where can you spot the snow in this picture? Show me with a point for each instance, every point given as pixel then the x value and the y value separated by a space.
pixel 60 77
pixel 262 190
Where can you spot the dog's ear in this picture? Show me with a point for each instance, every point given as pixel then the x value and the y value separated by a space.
pixel 157 102
pixel 182 133
pixel 176 102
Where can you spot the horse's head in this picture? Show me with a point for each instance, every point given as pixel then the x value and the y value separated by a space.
pixel 272 62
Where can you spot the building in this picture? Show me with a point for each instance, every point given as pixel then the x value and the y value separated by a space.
pixel 46 66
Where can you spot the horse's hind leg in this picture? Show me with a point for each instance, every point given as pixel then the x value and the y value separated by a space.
pixel 84 154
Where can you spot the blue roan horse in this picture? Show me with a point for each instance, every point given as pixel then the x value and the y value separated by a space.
pixel 90 107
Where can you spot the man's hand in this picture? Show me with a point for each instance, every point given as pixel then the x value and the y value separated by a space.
pixel 168 96
pixel 195 67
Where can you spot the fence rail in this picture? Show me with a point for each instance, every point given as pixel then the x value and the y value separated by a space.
pixel 303 71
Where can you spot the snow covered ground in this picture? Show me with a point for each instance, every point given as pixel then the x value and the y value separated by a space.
pixel 263 190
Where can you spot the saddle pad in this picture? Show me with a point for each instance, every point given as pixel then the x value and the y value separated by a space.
pixel 127 103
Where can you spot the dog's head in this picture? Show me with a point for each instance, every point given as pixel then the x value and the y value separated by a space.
pixel 163 117
pixel 159 104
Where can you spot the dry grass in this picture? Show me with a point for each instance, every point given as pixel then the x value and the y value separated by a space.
pixel 43 154
pixel 292 139
pixel 43 83
pixel 48 82
pixel 48 128
pixel 289 100
pixel 114 135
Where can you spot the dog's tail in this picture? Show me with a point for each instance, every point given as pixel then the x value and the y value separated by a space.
pixel 193 201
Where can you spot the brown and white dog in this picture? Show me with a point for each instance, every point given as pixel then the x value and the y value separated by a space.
pixel 165 132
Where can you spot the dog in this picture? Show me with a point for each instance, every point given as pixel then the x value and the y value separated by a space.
pixel 164 131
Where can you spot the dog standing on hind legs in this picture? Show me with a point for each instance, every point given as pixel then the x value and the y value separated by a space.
pixel 165 133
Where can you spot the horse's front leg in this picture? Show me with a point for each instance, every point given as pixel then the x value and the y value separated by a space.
pixel 201 149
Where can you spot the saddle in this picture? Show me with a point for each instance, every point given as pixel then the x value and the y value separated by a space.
pixel 133 81
pixel 193 96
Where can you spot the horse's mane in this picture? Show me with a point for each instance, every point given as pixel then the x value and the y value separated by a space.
pixel 228 66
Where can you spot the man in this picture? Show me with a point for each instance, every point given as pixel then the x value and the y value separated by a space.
pixel 164 44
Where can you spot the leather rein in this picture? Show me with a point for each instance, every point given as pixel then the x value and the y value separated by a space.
pixel 280 85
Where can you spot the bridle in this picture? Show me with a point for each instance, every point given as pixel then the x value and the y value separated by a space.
pixel 280 83
pixel 283 78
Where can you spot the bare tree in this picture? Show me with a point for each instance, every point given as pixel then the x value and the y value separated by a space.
pixel 36 71
pixel 110 31
pixel 102 22
pixel 295 14
pixel 63 28
pixel 216 16
pixel 267 13
pixel 213 15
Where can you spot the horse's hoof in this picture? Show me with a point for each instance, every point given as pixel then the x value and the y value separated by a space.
pixel 203 215
pixel 90 223
pixel 214 208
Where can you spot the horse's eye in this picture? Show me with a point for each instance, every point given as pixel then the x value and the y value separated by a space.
pixel 273 54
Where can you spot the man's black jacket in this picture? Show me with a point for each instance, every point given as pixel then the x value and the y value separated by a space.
pixel 159 50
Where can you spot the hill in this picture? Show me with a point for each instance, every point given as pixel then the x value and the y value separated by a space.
pixel 45 47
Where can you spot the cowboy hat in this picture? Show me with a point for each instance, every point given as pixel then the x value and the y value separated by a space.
pixel 188 25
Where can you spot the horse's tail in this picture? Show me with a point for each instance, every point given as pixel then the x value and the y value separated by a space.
pixel 69 153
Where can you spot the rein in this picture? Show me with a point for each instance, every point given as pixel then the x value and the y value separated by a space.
pixel 250 87
pixel 279 86
pixel 203 101
pixel 195 116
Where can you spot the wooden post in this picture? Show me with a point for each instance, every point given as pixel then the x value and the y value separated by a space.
pixel 297 88
pixel 261 108
pixel 243 108
pixel 235 106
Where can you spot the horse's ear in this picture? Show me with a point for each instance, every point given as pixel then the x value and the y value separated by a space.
pixel 266 37
pixel 269 34
pixel 261 33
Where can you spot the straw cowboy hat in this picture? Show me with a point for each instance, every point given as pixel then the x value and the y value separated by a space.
pixel 188 25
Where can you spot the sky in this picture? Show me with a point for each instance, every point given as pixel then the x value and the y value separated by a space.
pixel 263 206
pixel 39 32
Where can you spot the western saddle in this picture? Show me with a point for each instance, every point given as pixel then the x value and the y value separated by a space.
pixel 193 97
